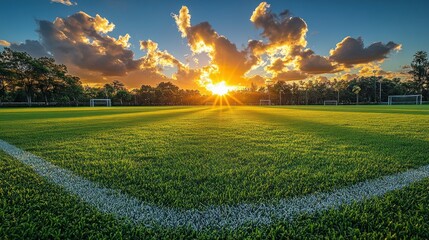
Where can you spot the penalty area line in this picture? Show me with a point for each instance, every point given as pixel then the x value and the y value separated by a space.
pixel 224 216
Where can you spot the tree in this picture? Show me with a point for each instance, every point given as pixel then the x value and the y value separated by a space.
pixel 279 87
pixel 356 89
pixel 420 72
pixel 50 76
pixel 304 87
pixel 253 87
pixel 23 78
pixel 72 88
pixel 123 95
pixel 167 93
pixel 26 72
pixel 6 74
pixel 109 90
pixel 337 87
pixel 23 75
pixel 117 86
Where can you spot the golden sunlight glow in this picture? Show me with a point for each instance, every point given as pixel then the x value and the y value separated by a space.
pixel 219 89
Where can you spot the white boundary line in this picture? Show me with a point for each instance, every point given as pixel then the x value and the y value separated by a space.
pixel 224 216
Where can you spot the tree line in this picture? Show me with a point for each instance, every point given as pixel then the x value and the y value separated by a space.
pixel 24 78
pixel 27 79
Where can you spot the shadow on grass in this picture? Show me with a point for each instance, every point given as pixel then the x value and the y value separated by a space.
pixel 412 110
pixel 45 114
pixel 37 132
pixel 399 151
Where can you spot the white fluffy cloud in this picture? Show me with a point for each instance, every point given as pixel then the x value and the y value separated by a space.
pixel 4 43
pixel 65 2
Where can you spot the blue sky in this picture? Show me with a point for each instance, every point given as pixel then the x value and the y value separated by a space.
pixel 329 22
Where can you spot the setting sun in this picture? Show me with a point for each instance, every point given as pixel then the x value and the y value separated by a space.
pixel 219 89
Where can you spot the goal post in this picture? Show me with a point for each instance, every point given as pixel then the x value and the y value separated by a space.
pixel 98 101
pixel 264 102
pixel 405 99
pixel 330 102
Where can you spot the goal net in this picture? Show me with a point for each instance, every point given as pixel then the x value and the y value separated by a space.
pixel 264 102
pixel 100 102
pixel 330 102
pixel 405 99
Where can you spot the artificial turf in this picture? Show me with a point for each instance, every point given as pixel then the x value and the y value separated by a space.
pixel 32 208
pixel 194 157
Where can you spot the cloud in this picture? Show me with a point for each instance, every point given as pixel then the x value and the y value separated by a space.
pixel 227 63
pixel 322 79
pixel 288 59
pixel 4 43
pixel 32 47
pixel 349 76
pixel 183 20
pixel 187 78
pixel 277 65
pixel 374 69
pixel 146 76
pixel 86 44
pixel 315 64
pixel 291 75
pixel 257 79
pixel 65 2
pixel 157 59
pixel 371 69
pixel 149 45
pixel 288 56
pixel 83 40
pixel 282 28
pixel 306 63
pixel 351 51
pixel 124 40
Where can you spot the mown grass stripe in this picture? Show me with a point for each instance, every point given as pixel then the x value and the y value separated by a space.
pixel 225 216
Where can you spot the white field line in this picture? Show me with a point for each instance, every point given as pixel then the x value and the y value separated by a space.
pixel 224 216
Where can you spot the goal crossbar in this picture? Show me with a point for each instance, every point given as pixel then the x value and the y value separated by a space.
pixel 416 99
pixel 94 100
pixel 264 102
pixel 330 102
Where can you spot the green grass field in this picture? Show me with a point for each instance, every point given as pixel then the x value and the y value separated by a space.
pixel 196 157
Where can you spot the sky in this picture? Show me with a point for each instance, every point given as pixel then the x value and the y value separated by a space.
pixel 197 44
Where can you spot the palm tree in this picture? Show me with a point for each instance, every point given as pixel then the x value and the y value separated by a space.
pixel 356 89
pixel 337 88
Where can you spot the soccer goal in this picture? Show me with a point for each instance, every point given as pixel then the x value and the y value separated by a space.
pixel 264 102
pixel 405 99
pixel 330 102
pixel 100 102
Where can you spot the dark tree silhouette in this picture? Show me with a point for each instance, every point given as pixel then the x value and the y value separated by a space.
pixel 420 72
